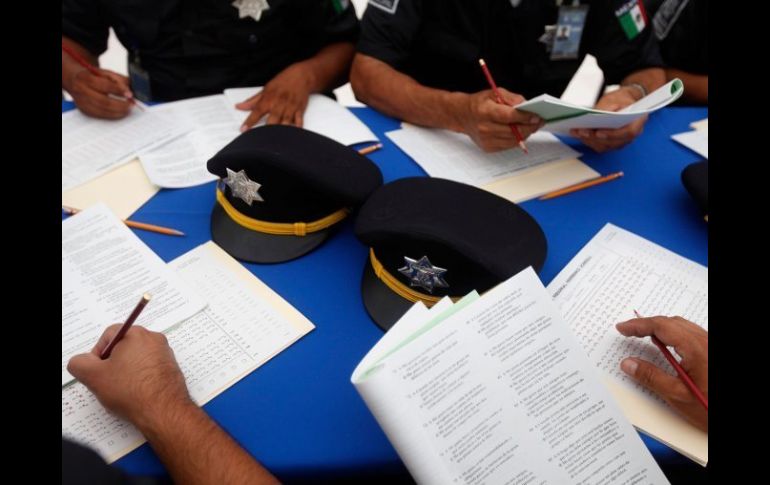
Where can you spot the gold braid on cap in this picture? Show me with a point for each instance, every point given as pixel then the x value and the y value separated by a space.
pixel 279 228
pixel 399 288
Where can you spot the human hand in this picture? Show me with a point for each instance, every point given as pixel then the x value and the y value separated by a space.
pixel 283 99
pixel 487 122
pixel 691 343
pixel 100 96
pixel 602 140
pixel 140 381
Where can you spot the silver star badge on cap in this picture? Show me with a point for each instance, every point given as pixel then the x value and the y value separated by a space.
pixel 243 187
pixel 423 274
pixel 251 8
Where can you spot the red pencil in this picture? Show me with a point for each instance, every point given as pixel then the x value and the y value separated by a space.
pixel 679 370
pixel 122 332
pixel 92 69
pixel 500 100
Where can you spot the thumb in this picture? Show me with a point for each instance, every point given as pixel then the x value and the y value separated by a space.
pixel 84 367
pixel 653 378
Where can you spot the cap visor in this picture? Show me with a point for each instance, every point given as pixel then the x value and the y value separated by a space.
pixel 383 304
pixel 258 247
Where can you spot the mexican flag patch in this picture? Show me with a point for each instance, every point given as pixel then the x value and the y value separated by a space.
pixel 632 17
pixel 340 5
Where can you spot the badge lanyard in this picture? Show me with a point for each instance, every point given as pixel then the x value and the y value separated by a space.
pixel 563 39
pixel 140 78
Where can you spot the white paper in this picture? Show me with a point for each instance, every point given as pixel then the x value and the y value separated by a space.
pixel 564 116
pixel 499 392
pixel 616 273
pixel 697 141
pixel 323 115
pixel 209 123
pixel 92 147
pixel 244 326
pixel 586 83
pixel 105 271
pixel 454 156
pixel 700 124
pixel 177 164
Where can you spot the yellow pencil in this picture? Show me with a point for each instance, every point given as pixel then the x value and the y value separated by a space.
pixel 582 185
pixel 137 225
pixel 370 149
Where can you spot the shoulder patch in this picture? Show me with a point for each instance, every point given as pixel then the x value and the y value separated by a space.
pixel 632 17
pixel 389 6
pixel 666 17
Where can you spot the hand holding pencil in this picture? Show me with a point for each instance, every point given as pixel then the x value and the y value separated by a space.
pixel 497 121
pixel 97 92
pixel 687 391
pixel 141 368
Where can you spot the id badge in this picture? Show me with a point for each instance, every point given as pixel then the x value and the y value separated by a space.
pixel 140 82
pixel 569 30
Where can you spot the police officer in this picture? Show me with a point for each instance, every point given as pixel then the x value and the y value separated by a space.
pixel 681 27
pixel 184 48
pixel 418 60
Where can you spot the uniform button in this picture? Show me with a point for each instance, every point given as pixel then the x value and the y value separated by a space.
pixel 252 39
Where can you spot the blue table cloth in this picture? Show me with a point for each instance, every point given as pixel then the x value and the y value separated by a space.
pixel 299 414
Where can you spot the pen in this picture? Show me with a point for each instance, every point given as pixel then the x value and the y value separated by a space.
pixel 581 186
pixel 500 100
pixel 93 70
pixel 678 368
pixel 123 329
pixel 136 225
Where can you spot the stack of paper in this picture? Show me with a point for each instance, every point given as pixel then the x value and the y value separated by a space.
pixel 616 273
pixel 91 147
pixel 106 268
pixel 561 116
pixel 696 140
pixel 495 389
pixel 512 174
pixel 212 122
pixel 173 141
pixel 244 325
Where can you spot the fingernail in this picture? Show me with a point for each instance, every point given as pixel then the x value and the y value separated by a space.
pixel 629 366
pixel 128 94
pixel 601 135
pixel 244 128
pixel 534 120
pixel 583 133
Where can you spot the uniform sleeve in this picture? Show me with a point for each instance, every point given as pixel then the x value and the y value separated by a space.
pixel 388 30
pixel 85 22
pixel 617 54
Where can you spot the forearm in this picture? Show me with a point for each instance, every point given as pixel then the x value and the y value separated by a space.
pixel 696 86
pixel 393 93
pixel 69 66
pixel 330 67
pixel 651 78
pixel 195 450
